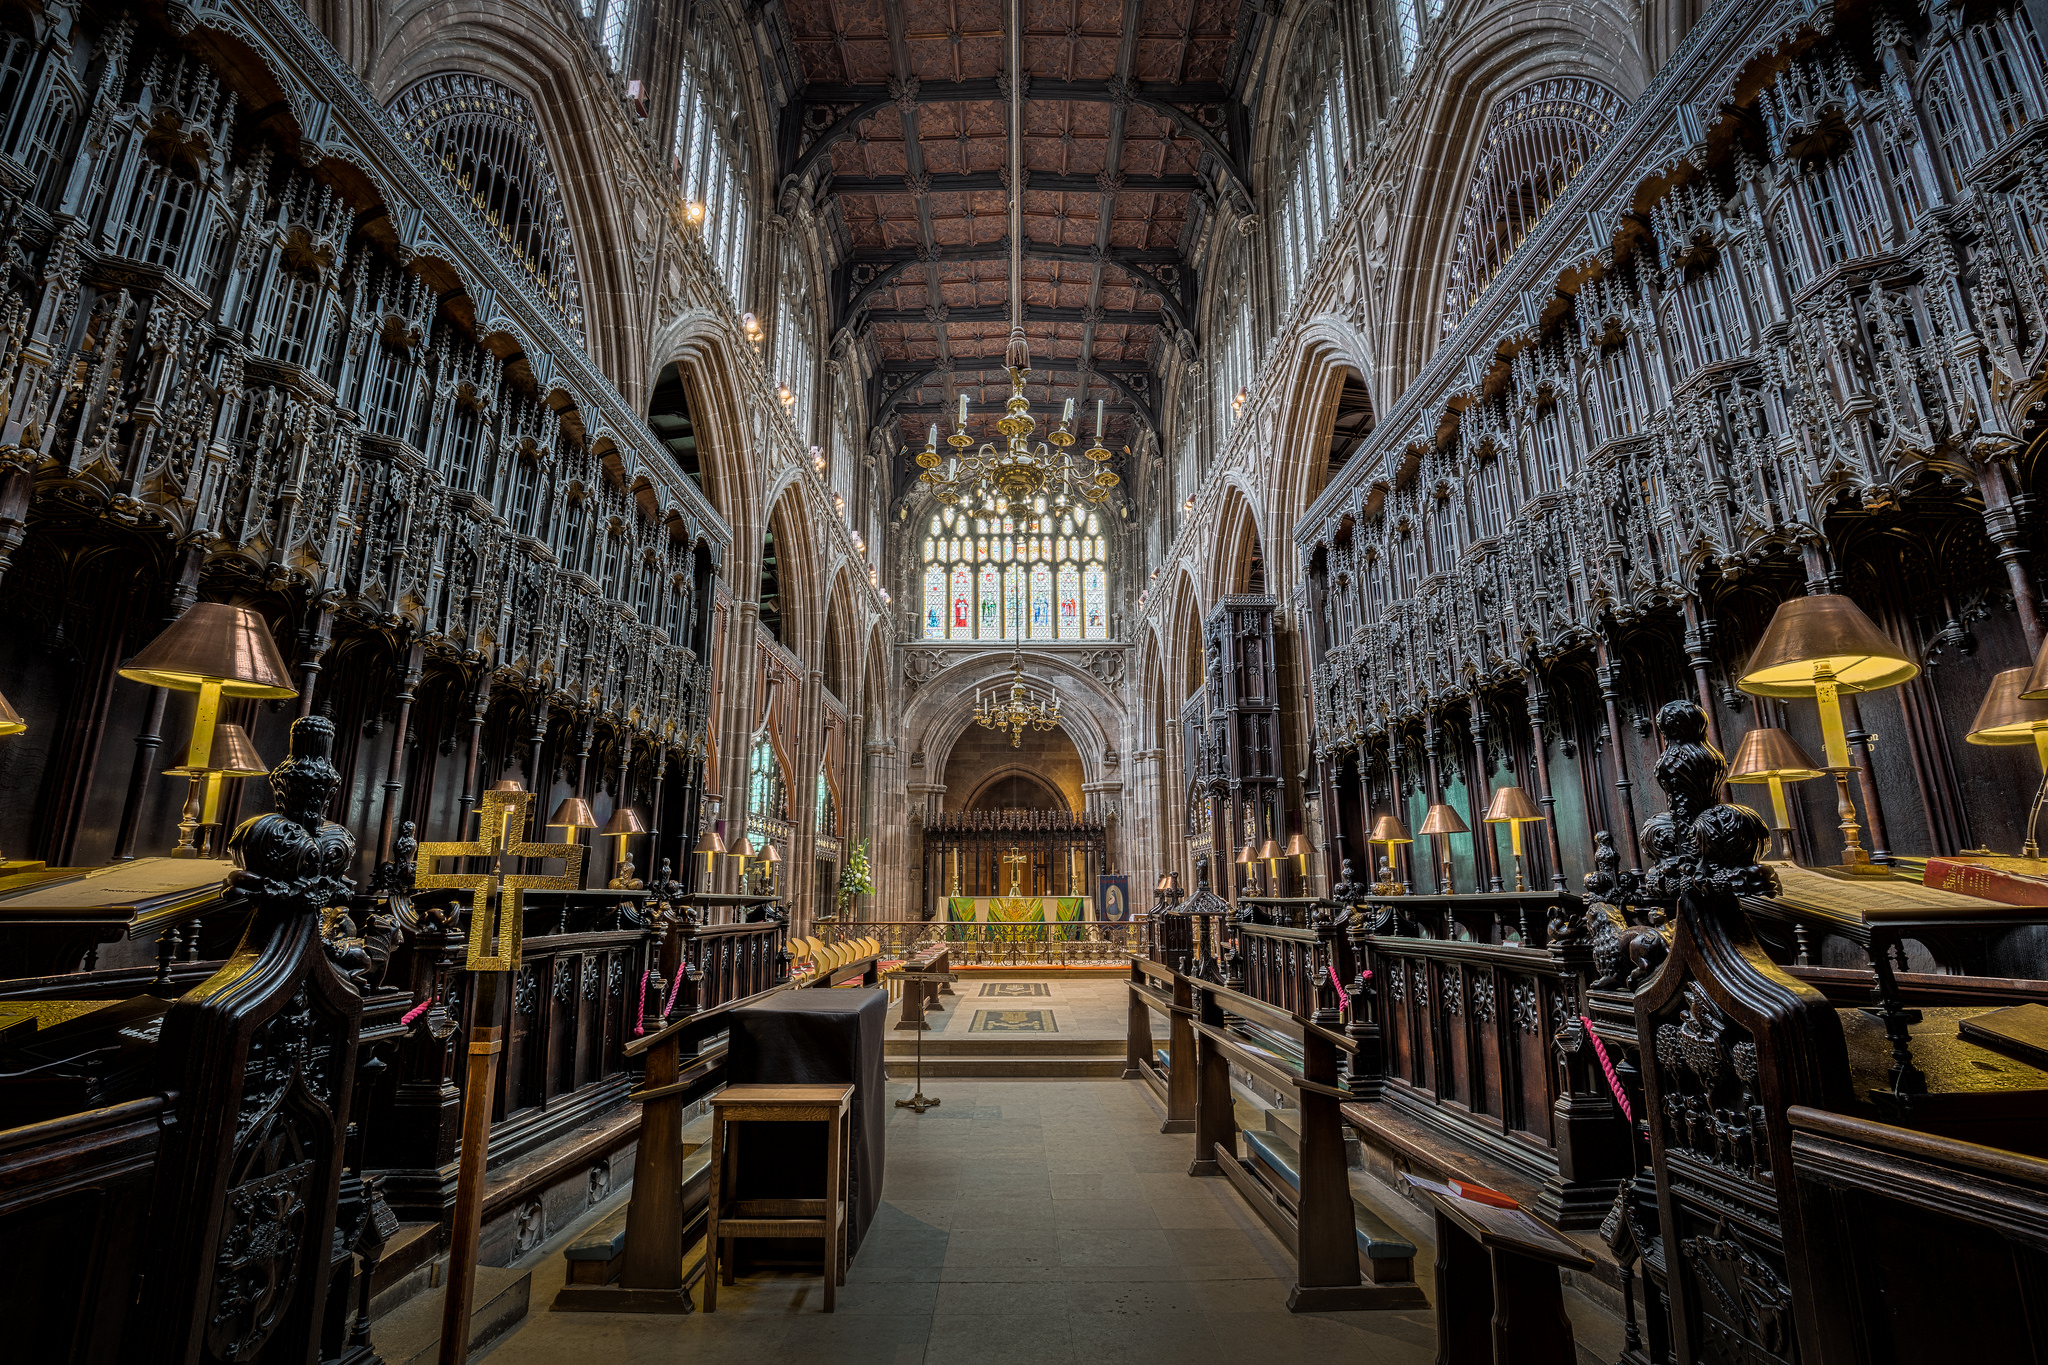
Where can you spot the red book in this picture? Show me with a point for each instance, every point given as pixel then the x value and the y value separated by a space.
pixel 1480 1194
pixel 1987 883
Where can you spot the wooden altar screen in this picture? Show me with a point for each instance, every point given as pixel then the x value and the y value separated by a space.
pixel 965 852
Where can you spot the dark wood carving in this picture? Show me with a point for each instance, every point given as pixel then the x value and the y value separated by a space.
pixel 262 1056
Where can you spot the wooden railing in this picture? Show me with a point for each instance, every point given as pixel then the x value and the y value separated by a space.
pixel 1466 999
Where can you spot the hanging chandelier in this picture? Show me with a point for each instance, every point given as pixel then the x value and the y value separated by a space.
pixel 1018 705
pixel 1015 473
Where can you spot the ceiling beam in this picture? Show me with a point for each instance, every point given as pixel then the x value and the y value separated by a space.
pixel 1040 181
pixel 1132 262
pixel 997 312
pixel 861 102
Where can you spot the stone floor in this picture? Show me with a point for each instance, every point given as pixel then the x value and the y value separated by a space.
pixel 1022 1223
pixel 1089 1005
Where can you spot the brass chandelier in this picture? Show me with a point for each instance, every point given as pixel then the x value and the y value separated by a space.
pixel 1017 706
pixel 1016 473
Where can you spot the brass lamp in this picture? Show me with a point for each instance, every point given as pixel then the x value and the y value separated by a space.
pixel 624 824
pixel 1443 821
pixel 217 651
pixel 1820 647
pixel 771 861
pixel 1768 754
pixel 233 756
pixel 574 815
pixel 1269 854
pixel 1513 808
pixel 2009 716
pixel 1389 830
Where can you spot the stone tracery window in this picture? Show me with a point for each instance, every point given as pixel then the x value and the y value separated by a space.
pixel 487 144
pixel 767 790
pixel 988 576
pixel 1536 141
pixel 1314 147
pixel 709 156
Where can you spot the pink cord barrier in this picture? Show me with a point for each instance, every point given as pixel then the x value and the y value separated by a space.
pixel 415 1012
pixel 1343 996
pixel 1607 1065
pixel 640 1019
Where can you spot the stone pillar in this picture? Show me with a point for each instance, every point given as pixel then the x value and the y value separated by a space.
pixel 886 830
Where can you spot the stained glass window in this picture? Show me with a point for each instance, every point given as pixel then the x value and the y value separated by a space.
pixel 1070 602
pixel 767 792
pixel 1000 578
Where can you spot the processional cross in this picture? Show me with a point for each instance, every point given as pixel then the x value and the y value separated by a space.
pixel 500 836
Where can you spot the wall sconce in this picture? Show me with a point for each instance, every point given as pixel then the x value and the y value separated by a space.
pixel 818 460
pixel 693 214
pixel 1237 403
pixel 1189 505
pixel 782 391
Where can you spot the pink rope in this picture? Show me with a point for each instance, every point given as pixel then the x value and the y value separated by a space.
pixel 415 1012
pixel 1343 996
pixel 640 1020
pixel 676 985
pixel 1607 1065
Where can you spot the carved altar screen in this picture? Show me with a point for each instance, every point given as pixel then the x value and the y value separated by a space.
pixel 965 854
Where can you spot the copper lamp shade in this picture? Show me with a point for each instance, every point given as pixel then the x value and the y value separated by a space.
pixel 625 820
pixel 769 855
pixel 1511 805
pixel 11 722
pixel 709 842
pixel 573 813
pixel 1769 755
pixel 1389 830
pixel 2037 677
pixel 1244 855
pixel 214 643
pixel 1818 647
pixel 1297 847
pixel 1513 808
pixel 1443 819
pixel 1269 851
pixel 1768 752
pixel 507 784
pixel 233 756
pixel 2008 716
pixel 1823 634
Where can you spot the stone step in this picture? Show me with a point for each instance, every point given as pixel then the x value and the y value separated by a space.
pixel 411 1333
pixel 1000 1045
pixel 1010 1065
pixel 409 1266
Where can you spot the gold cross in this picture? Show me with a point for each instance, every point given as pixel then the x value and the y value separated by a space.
pixel 1015 860
pixel 501 834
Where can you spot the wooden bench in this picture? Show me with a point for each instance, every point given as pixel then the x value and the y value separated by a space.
pixel 1154 988
pixel 1386 1257
pixel 1313 1212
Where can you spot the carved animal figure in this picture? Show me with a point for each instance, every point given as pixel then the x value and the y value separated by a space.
pixel 1624 953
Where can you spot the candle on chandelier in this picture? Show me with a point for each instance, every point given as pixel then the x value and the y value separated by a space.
pixel 963 409
pixel 1098 421
pixel 1067 416
pixel 931 442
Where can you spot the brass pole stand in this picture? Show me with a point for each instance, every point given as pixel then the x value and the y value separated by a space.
pixel 919 1101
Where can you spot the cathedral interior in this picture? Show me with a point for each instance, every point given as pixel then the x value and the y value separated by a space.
pixel 1023 681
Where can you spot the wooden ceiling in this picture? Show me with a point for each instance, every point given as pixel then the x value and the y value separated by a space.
pixel 1132 134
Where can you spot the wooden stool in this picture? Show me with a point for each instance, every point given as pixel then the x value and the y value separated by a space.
pixel 826 1218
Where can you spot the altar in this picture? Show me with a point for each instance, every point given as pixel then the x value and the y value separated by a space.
pixel 1012 867
pixel 1023 911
